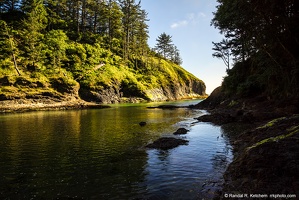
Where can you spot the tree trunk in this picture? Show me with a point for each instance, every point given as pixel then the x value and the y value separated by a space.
pixel 12 51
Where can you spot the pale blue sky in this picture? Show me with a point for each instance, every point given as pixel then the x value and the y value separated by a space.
pixel 188 22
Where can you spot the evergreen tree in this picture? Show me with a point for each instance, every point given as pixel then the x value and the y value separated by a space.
pixel 8 45
pixel 55 47
pixel 265 34
pixel 167 49
pixel 141 33
pixel 164 46
pixel 32 35
pixel 114 26
pixel 131 10
pixel 175 56
pixel 222 50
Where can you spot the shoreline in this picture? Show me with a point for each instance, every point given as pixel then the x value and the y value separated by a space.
pixel 265 141
pixel 68 103
pixel 29 105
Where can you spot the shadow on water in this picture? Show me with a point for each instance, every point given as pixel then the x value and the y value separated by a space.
pixel 100 154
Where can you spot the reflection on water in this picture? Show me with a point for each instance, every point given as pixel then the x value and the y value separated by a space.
pixel 99 154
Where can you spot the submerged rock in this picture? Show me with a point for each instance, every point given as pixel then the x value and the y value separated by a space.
pixel 181 131
pixel 166 143
pixel 142 123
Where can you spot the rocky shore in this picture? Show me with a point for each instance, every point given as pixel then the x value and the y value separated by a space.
pixel 264 134
pixel 25 105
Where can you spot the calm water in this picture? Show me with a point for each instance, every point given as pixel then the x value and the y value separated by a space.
pixel 100 154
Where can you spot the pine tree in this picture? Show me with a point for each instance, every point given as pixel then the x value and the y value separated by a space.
pixel 223 51
pixel 130 10
pixel 114 25
pixel 164 45
pixel 167 49
pixel 176 57
pixel 32 34
pixel 141 34
pixel 8 44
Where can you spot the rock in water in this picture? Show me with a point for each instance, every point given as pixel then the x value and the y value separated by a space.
pixel 166 143
pixel 142 123
pixel 181 131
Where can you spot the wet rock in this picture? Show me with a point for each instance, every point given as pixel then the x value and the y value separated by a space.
pixel 166 143
pixel 213 101
pixel 217 118
pixel 181 131
pixel 142 123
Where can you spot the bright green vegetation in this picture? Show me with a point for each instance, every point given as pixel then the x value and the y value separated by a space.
pixel 261 45
pixel 78 47
pixel 149 73
pixel 142 74
pixel 290 132
pixel 272 123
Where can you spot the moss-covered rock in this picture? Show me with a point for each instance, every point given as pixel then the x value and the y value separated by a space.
pixel 114 80
pixel 150 80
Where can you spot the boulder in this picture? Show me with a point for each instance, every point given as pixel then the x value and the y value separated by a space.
pixel 166 143
pixel 142 123
pixel 181 131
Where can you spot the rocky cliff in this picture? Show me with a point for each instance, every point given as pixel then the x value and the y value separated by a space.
pixel 117 94
pixel 150 80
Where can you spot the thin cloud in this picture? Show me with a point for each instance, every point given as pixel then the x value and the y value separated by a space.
pixel 191 18
pixel 179 24
pixel 202 15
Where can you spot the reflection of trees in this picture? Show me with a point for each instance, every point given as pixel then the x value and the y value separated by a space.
pixel 67 153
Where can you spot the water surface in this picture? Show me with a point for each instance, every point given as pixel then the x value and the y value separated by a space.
pixel 100 154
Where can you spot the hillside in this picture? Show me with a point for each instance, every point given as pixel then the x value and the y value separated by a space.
pixel 147 79
pixel 54 51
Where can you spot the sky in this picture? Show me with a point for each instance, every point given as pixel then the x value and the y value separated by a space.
pixel 188 22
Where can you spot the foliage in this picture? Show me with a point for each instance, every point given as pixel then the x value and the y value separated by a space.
pixel 166 49
pixel 294 130
pixel 222 50
pixel 55 47
pixel 264 37
pixel 94 44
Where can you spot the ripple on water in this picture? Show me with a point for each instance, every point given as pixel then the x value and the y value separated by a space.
pixel 99 154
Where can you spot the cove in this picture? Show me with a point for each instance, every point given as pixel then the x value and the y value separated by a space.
pixel 101 154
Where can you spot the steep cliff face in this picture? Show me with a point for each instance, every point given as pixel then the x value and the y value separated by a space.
pixel 151 80
pixel 188 90
pixel 116 94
